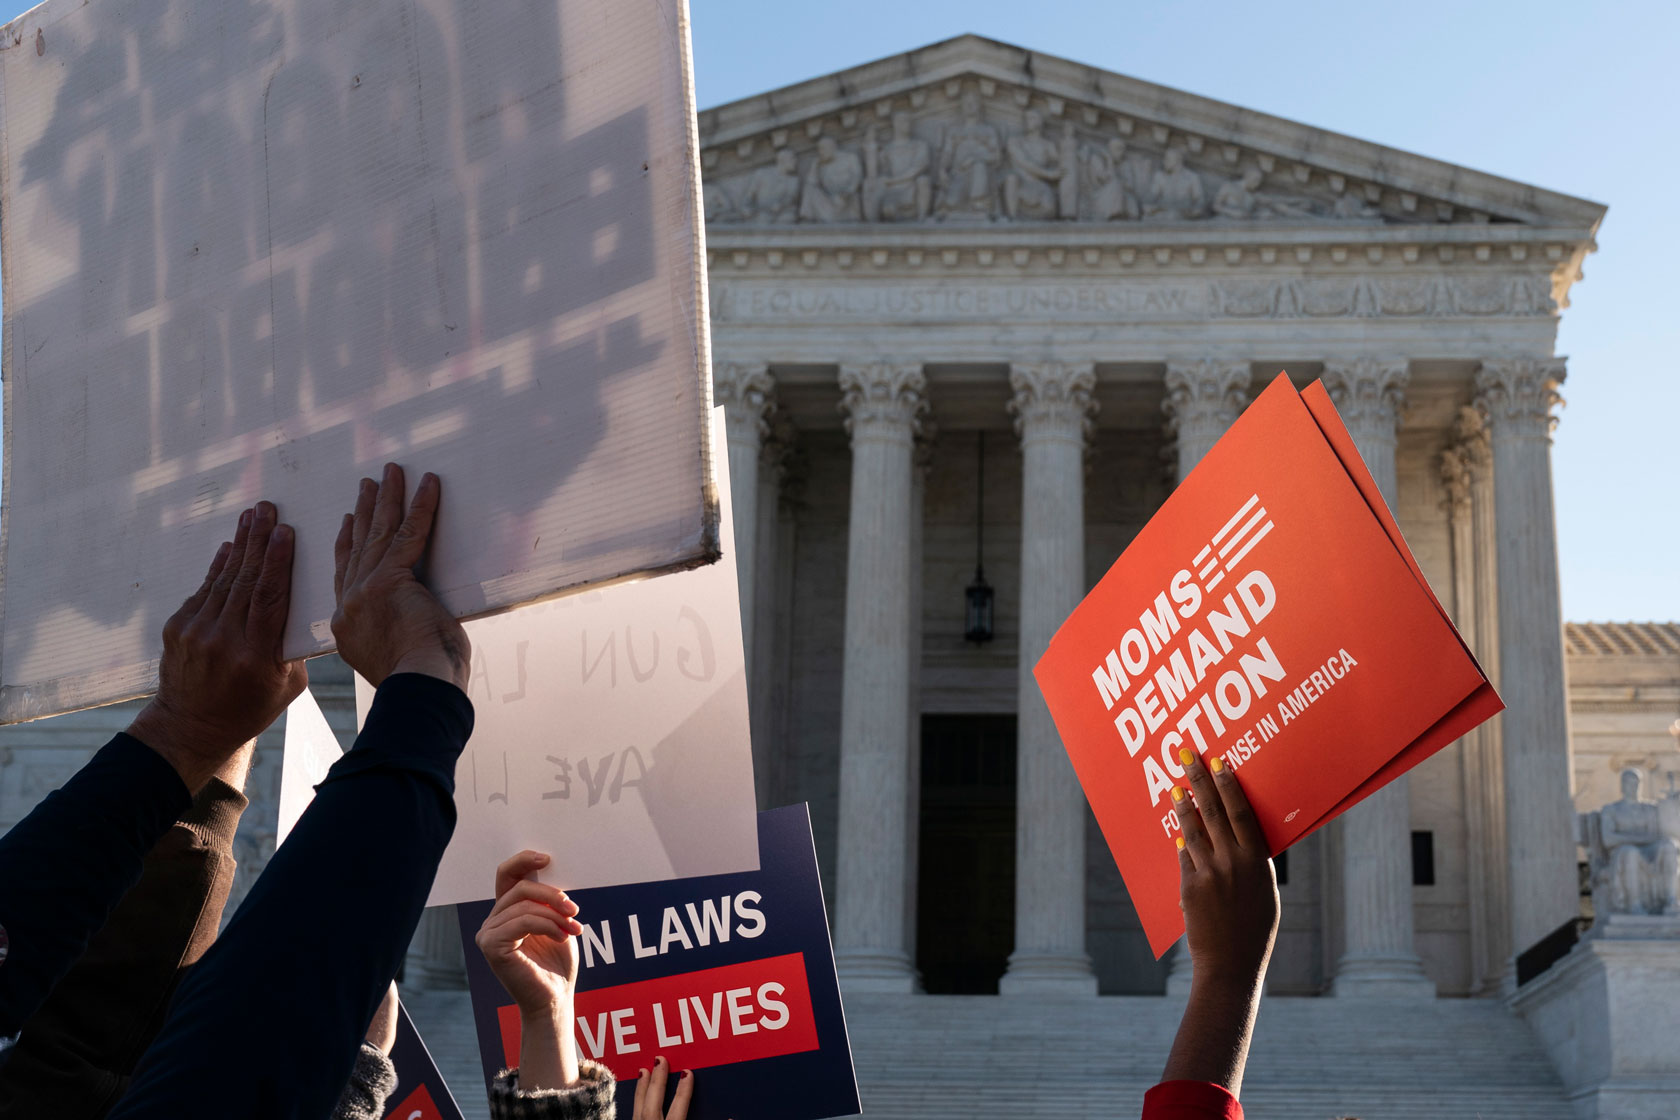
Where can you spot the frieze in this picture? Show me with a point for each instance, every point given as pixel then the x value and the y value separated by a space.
pixel 977 156
pixel 1440 296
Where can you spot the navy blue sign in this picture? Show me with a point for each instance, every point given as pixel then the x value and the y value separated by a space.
pixel 728 975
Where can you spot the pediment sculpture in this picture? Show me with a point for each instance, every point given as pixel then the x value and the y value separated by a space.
pixel 989 163
pixel 1633 852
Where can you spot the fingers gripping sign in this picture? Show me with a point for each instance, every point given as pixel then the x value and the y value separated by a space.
pixel 386 620
pixel 650 1093
pixel 1227 886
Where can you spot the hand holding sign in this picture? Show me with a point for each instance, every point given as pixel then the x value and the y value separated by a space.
pixel 387 621
pixel 222 681
pixel 1227 885
pixel 528 943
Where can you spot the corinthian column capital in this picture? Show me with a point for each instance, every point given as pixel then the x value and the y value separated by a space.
pixel 1519 393
pixel 1053 399
pixel 883 399
pixel 1205 393
pixel 747 393
pixel 1369 392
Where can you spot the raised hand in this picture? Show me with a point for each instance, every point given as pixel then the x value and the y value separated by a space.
pixel 528 940
pixel 222 679
pixel 1227 885
pixel 1229 893
pixel 387 621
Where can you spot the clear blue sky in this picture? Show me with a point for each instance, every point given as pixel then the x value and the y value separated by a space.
pixel 1576 97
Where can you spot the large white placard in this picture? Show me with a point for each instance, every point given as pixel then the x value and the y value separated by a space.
pixel 256 248
pixel 610 731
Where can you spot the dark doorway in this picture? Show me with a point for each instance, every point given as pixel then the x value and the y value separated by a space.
pixel 965 906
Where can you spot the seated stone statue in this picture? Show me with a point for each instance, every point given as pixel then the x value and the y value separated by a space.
pixel 833 186
pixel 898 180
pixel 772 193
pixel 1032 186
pixel 1175 191
pixel 1635 863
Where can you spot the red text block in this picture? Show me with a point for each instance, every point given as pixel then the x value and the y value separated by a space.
pixel 715 1017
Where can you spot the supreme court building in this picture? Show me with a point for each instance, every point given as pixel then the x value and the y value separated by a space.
pixel 977 262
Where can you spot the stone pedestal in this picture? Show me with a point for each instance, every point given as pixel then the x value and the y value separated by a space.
pixel 1608 1015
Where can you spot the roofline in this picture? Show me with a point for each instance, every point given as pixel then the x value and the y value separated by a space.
pixel 1054 76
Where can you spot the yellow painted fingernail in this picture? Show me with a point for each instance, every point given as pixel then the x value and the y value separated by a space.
pixel 1185 756
pixel 1181 843
pixel 1217 765
pixel 1178 794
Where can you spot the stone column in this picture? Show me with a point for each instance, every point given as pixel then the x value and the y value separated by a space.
pixel 884 404
pixel 435 961
pixel 1053 410
pixel 1203 399
pixel 1517 396
pixel 913 755
pixel 768 578
pixel 1377 958
pixel 1466 475
pixel 745 392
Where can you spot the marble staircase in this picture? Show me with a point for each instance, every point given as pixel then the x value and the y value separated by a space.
pixel 921 1057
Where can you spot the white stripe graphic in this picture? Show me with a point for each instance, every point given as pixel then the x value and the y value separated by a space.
pixel 1252 541
pixel 1241 513
pixel 1243 532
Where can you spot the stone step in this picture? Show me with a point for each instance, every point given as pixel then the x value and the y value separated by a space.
pixel 921 1057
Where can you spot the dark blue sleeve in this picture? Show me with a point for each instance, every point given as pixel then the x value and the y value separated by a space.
pixel 268 1024
pixel 65 865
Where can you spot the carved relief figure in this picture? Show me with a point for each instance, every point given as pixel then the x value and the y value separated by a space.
pixel 1032 186
pixel 1109 197
pixel 773 192
pixel 1175 191
pixel 1237 198
pixel 967 163
pixel 1635 864
pixel 898 185
pixel 832 185
pixel 1350 205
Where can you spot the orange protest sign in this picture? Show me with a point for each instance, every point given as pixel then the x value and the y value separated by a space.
pixel 1271 614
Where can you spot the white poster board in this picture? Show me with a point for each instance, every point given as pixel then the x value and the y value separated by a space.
pixel 256 248
pixel 610 730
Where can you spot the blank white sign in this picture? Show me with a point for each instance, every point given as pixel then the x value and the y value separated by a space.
pixel 610 730
pixel 256 248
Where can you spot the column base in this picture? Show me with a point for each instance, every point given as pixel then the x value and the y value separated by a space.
pixel 1395 977
pixel 1048 974
pixel 874 970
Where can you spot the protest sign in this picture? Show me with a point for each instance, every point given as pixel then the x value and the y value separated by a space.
pixel 309 751
pixel 730 975
pixel 1270 614
pixel 256 248
pixel 422 1093
pixel 612 726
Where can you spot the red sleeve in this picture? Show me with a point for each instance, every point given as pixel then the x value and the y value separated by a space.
pixel 1190 1100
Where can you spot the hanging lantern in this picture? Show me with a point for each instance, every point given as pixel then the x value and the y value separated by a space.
pixel 977 614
